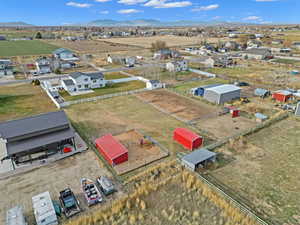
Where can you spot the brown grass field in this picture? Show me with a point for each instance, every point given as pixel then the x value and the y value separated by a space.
pixel 164 195
pixel 92 46
pixel 120 114
pixel 266 171
pixel 138 155
pixel 174 104
pixel 225 126
pixel 23 100
pixel 172 41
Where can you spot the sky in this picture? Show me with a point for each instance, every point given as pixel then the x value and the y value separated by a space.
pixel 64 12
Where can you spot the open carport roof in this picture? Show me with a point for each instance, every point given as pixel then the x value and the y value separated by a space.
pixel 198 156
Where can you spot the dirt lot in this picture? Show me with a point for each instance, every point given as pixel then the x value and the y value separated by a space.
pixel 54 177
pixel 23 100
pixel 138 155
pixel 145 42
pixel 225 126
pixel 179 106
pixel 266 171
pixel 93 46
pixel 120 114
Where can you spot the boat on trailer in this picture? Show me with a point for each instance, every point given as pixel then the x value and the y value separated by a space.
pixel 91 191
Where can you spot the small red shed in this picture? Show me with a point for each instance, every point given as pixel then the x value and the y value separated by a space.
pixel 282 96
pixel 234 111
pixel 187 138
pixel 112 150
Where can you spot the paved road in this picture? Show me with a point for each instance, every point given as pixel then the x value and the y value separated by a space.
pixel 49 77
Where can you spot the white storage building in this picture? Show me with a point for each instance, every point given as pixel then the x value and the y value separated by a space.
pixel 44 211
pixel 223 93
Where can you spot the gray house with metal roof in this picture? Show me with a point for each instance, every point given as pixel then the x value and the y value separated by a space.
pixel 35 137
pixel 198 158
pixel 222 93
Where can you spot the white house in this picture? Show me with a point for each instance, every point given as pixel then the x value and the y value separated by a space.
pixel 6 67
pixel 154 84
pixel 128 61
pixel 257 53
pixel 83 81
pixel 64 54
pixel 43 65
pixel 177 66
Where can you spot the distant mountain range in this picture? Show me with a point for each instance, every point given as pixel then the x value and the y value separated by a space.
pixel 14 24
pixel 154 23
pixel 135 23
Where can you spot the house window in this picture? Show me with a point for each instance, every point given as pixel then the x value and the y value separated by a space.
pixel 94 81
pixel 79 86
pixel 86 79
pixel 86 86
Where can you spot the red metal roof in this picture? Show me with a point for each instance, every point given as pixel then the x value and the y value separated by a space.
pixel 187 133
pixel 111 146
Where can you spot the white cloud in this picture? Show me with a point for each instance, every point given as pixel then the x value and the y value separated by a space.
pixel 102 0
pixel 167 4
pixel 79 5
pixel 131 2
pixel 206 8
pixel 216 17
pixel 129 11
pixel 266 0
pixel 104 12
pixel 252 18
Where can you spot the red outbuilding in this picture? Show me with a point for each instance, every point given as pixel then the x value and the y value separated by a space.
pixel 282 96
pixel 234 111
pixel 187 138
pixel 112 150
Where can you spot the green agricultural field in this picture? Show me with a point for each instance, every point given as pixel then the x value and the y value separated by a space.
pixel 116 75
pixel 23 100
pixel 120 87
pixel 19 48
pixel 288 61
pixel 266 171
pixel 185 87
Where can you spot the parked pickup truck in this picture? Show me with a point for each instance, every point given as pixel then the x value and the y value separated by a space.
pixel 106 185
pixel 70 205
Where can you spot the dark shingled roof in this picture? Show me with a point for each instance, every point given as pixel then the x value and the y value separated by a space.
pixel 95 75
pixel 69 82
pixel 19 127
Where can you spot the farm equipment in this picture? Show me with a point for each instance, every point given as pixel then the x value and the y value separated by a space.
pixel 69 203
pixel 244 100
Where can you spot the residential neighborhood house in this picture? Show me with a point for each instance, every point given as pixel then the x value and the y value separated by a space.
pixel 177 66
pixel 43 65
pixel 83 81
pixel 6 67
pixel 257 53
pixel 64 54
